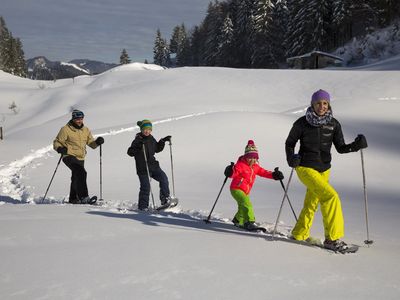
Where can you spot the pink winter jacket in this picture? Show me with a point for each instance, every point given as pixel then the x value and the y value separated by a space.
pixel 243 176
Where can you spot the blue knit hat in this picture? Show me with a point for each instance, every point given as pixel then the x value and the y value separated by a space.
pixel 77 114
pixel 320 95
pixel 144 124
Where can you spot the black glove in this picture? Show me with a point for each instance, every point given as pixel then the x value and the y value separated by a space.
pixel 295 161
pixel 99 140
pixel 229 170
pixel 166 139
pixel 62 150
pixel 277 175
pixel 360 142
pixel 130 151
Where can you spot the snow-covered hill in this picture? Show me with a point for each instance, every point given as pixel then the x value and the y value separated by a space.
pixel 60 251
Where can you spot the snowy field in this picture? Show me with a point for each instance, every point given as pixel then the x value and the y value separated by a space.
pixel 60 251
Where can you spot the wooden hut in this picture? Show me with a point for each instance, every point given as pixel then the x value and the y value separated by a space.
pixel 314 60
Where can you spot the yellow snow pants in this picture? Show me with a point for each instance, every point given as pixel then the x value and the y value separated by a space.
pixel 319 191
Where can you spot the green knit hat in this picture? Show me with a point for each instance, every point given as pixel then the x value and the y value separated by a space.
pixel 144 124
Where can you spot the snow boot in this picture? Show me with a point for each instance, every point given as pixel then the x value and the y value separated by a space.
pixel 166 201
pixel 89 200
pixel 236 223
pixel 250 226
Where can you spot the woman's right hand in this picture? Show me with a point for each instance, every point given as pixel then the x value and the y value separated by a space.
pixel 295 161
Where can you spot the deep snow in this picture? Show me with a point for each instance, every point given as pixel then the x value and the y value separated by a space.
pixel 60 251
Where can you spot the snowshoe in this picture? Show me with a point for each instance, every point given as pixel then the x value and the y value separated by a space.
pixel 89 200
pixel 340 246
pixel 336 246
pixel 169 203
pixel 251 226
pixel 144 209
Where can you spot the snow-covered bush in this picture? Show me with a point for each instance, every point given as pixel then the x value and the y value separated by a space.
pixel 13 107
pixel 372 47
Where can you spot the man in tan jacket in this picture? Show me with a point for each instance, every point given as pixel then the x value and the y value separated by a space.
pixel 71 143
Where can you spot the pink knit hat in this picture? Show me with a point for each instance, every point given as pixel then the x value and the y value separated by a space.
pixel 251 150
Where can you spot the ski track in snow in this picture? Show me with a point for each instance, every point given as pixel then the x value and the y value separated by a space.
pixel 11 185
pixel 283 230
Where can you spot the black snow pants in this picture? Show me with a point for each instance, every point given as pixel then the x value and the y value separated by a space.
pixel 78 189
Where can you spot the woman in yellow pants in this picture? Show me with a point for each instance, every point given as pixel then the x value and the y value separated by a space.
pixel 317 131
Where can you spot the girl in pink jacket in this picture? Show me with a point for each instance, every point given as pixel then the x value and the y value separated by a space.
pixel 243 175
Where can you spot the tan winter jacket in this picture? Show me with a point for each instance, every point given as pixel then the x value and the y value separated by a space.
pixel 75 140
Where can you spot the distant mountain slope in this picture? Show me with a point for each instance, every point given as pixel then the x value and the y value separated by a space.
pixel 43 69
pixel 93 66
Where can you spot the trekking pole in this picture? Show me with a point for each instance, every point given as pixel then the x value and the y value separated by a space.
pixel 148 174
pixel 287 196
pixel 212 209
pixel 367 241
pixel 45 194
pixel 101 174
pixel 172 169
pixel 283 200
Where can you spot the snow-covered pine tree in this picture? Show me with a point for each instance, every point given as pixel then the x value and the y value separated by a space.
pixel 310 28
pixel 322 11
pixel 341 21
pixel 212 27
pixel 290 44
pixel 277 29
pixel 124 57
pixel 225 47
pixel 183 57
pixel 180 45
pixel 295 40
pixel 11 54
pixel 19 59
pixel 3 33
pixel 243 12
pixel 161 52
pixel 365 16
pixel 262 54
pixel 387 10
pixel 196 46
pixel 175 39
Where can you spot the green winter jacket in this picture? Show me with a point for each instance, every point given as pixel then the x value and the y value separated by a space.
pixel 75 140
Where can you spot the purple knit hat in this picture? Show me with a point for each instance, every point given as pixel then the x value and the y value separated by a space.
pixel 320 95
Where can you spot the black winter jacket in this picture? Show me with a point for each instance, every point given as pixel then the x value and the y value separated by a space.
pixel 152 147
pixel 316 143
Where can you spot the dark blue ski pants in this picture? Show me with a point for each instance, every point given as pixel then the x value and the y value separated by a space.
pixel 144 193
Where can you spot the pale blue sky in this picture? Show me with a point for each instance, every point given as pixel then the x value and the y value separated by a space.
pixel 96 29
